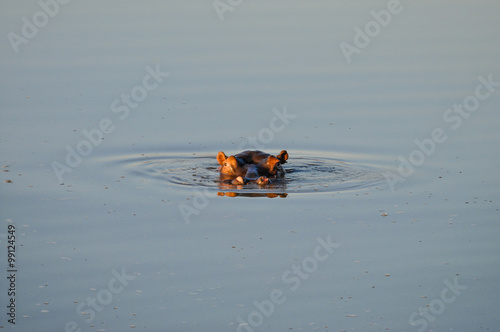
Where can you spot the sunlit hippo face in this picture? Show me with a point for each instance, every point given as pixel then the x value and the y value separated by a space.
pixel 272 167
pixel 230 166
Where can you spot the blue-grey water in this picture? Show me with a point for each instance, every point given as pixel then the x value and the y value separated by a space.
pixel 112 114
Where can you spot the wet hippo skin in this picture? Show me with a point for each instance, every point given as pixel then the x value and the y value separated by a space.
pixel 251 166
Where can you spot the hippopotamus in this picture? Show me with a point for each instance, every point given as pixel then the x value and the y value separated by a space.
pixel 251 166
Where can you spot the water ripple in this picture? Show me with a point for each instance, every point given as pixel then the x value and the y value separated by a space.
pixel 304 174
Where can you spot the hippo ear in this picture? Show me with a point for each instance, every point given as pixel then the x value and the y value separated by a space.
pixel 231 160
pixel 283 156
pixel 221 157
pixel 272 162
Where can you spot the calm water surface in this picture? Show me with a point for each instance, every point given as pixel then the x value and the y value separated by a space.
pixel 112 115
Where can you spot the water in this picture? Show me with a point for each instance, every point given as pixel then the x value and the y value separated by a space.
pixel 389 204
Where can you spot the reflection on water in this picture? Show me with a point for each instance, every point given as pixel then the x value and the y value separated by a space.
pixel 251 194
pixel 252 189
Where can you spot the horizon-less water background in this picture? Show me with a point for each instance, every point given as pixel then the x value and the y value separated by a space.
pixel 131 241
